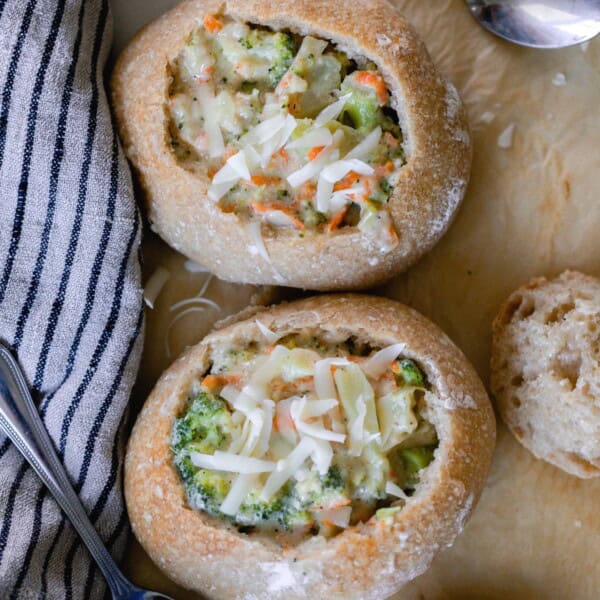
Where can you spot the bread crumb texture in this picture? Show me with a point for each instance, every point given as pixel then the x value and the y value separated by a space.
pixel 545 370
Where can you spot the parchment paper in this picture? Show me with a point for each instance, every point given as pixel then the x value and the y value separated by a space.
pixel 531 208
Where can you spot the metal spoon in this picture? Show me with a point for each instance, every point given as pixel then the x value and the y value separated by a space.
pixel 539 23
pixel 20 420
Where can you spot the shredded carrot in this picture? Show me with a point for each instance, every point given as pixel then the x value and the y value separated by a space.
pixel 229 152
pixel 206 72
pixel 386 169
pixel 370 79
pixel 212 24
pixel 266 207
pixel 337 219
pixel 265 180
pixel 314 152
pixel 306 191
pixel 283 153
pixel 393 235
pixel 338 504
pixel 347 181
pixel 214 381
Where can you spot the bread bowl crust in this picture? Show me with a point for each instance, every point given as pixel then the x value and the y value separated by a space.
pixel 422 205
pixel 370 561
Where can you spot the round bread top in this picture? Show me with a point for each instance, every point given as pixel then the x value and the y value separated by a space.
pixel 368 558
pixel 376 190
pixel 545 371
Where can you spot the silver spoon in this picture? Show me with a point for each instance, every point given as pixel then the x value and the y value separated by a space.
pixel 539 23
pixel 20 420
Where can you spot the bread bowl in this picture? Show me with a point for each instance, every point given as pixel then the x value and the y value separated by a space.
pixel 371 146
pixel 544 370
pixel 411 456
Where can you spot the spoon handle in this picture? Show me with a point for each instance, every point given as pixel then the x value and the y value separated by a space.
pixel 21 422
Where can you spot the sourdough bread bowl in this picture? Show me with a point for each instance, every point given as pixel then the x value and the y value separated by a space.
pixel 397 433
pixel 545 370
pixel 401 132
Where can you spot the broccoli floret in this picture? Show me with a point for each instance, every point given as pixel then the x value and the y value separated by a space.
pixel 413 460
pixel 285 49
pixel 207 489
pixel 386 186
pixel 362 107
pixel 407 373
pixel 382 192
pixel 283 510
pixel 333 479
pixel 364 112
pixel 204 427
pixel 310 216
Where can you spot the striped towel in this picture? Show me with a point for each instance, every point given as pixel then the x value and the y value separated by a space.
pixel 70 297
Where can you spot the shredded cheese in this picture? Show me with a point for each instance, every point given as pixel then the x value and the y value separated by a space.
pixel 313 168
pixel 258 244
pixel 316 429
pixel 155 284
pixel 269 335
pixel 321 136
pixel 287 467
pixel 232 463
pixel 241 487
pixel 376 365
pixel 340 517
pixel 394 490
pixel 362 150
pixel 332 111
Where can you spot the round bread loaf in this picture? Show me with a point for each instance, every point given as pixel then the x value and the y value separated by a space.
pixel 426 192
pixel 545 370
pixel 367 560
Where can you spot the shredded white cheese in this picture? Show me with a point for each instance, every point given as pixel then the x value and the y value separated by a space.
pixel 394 490
pixel 232 463
pixel 376 365
pixel 155 284
pixel 269 335
pixel 332 111
pixel 340 517
pixel 241 487
pixel 258 244
pixel 315 429
pixel 505 139
pixel 287 467
pixel 362 150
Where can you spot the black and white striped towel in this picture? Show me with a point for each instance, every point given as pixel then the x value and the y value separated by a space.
pixel 70 297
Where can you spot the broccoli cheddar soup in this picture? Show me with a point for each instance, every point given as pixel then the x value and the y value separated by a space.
pixel 310 433
pixel 295 134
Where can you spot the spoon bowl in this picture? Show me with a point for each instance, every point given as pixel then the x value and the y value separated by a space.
pixel 539 23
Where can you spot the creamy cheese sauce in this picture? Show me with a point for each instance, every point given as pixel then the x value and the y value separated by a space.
pixel 295 134
pixel 305 435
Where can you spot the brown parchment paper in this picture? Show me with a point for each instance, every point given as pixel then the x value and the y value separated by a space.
pixel 531 208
